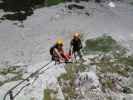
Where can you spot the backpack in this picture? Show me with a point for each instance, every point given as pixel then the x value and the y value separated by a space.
pixel 52 50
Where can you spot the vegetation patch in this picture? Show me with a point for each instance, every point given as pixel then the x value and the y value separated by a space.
pixel 49 94
pixel 131 2
pixel 54 2
pixel 15 78
pixel 127 60
pixel 109 98
pixel 100 44
pixel 112 61
pixel 12 70
pixel 72 69
pixel 105 66
pixel 67 80
pixel 108 84
pixel 112 57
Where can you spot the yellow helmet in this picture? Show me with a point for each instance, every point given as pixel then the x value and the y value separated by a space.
pixel 76 34
pixel 59 42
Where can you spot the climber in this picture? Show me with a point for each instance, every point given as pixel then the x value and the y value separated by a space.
pixel 76 46
pixel 57 52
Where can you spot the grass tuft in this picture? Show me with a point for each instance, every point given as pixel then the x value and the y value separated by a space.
pixel 54 2
pixel 49 94
pixel 100 44
pixel 18 74
pixel 68 80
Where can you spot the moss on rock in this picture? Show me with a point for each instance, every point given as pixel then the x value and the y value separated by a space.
pixel 100 44
pixel 47 94
pixel 54 2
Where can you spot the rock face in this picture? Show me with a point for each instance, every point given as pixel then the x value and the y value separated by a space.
pixel 89 77
pixel 12 73
pixel 105 75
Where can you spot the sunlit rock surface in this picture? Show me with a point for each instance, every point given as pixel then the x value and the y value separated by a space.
pixel 102 77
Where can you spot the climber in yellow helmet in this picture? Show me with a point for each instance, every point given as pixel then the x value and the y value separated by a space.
pixel 57 52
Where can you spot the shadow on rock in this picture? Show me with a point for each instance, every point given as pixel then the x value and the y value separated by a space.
pixel 20 16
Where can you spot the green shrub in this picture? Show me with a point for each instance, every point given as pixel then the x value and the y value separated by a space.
pixel 11 70
pixel 47 94
pixel 100 44
pixel 69 76
pixel 131 2
pixel 109 84
pixel 127 60
pixel 50 94
pixel 54 2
